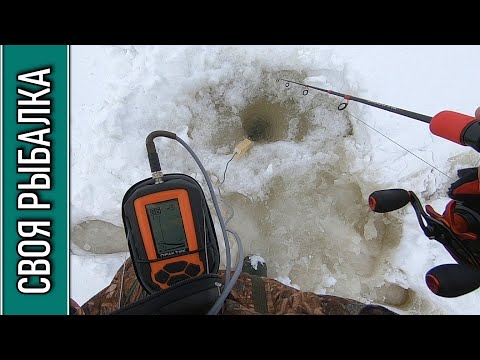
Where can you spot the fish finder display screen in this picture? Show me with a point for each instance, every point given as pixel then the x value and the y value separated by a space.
pixel 167 226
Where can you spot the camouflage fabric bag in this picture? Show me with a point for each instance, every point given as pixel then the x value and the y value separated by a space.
pixel 251 295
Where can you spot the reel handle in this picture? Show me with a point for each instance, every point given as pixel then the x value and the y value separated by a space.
pixel 452 280
pixel 383 201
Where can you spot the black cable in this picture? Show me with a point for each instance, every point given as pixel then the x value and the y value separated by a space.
pixel 226 167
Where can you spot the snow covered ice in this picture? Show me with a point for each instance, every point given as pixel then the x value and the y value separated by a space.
pixel 300 194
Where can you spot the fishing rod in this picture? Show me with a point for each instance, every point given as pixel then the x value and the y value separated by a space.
pixel 458 227
pixel 459 128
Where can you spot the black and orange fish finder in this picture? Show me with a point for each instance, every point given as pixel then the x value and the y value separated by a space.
pixel 169 228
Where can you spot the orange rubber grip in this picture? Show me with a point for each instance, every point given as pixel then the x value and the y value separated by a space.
pixel 450 125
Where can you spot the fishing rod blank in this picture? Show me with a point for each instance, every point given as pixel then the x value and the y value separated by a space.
pixel 459 128
pixel 389 108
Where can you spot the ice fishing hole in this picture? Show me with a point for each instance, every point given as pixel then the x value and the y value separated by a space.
pixel 265 121
pixel 257 128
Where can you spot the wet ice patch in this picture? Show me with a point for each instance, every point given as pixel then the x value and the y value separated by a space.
pixel 98 237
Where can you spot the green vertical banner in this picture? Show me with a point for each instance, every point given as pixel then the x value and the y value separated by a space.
pixel 35 150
